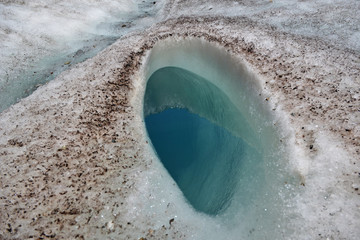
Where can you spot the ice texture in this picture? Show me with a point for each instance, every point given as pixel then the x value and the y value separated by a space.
pixel 333 21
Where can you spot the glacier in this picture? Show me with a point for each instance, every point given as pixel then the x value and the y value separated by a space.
pixel 76 157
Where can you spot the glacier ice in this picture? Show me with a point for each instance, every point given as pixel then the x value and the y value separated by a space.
pixel 320 37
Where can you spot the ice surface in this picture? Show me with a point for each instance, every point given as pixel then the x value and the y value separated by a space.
pixel 40 39
pixel 333 21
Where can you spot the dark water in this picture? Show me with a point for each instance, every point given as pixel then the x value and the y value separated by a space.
pixel 203 158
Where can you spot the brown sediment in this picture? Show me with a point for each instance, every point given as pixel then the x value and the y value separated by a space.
pixel 71 152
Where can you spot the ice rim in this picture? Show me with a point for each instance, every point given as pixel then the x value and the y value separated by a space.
pixel 75 161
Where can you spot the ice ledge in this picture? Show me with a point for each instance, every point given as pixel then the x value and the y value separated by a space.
pixel 74 161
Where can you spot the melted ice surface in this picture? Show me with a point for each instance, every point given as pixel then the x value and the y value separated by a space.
pixel 40 39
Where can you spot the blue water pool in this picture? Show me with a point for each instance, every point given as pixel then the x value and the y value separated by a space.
pixel 201 138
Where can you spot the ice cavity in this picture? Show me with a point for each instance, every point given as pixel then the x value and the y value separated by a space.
pixel 259 201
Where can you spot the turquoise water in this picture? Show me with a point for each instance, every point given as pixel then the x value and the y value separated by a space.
pixel 172 87
pixel 202 157
pixel 203 140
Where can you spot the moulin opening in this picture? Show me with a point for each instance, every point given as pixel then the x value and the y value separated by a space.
pixel 217 138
